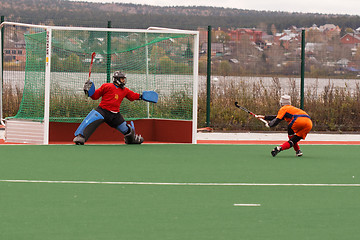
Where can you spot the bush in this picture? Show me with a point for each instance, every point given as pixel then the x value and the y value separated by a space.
pixel 335 109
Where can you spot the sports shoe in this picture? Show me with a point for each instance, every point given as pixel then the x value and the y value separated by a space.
pixel 275 151
pixel 79 140
pixel 299 153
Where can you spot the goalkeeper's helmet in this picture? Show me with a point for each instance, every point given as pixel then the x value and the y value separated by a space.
pixel 119 79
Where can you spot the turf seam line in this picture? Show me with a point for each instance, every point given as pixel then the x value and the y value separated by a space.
pixel 187 184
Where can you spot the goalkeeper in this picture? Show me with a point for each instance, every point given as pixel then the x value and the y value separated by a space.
pixel 108 110
pixel 299 126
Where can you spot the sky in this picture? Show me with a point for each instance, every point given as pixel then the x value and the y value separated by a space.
pixel 351 7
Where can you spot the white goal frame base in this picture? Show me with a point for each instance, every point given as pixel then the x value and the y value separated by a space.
pixel 24 131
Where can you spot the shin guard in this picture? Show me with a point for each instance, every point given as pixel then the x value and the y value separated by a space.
pixel 89 124
pixel 123 128
pixel 296 145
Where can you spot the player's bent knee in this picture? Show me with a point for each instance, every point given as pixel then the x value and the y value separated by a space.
pixel 294 139
pixel 132 138
pixel 291 143
pixel 89 125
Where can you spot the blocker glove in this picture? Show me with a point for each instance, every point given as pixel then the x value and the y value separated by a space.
pixel 89 88
pixel 150 96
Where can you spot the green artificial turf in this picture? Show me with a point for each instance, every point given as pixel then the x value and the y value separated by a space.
pixel 84 211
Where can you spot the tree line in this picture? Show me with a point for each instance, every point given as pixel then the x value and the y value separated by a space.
pixel 66 13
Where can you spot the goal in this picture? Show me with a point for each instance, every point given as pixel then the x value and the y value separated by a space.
pixel 49 65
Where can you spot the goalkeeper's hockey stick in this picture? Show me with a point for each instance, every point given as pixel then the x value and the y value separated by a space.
pixel 251 113
pixel 89 87
pixel 91 63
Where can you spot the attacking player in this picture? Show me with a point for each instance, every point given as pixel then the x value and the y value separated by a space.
pixel 108 110
pixel 299 126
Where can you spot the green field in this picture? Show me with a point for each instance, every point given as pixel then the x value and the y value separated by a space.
pixel 158 192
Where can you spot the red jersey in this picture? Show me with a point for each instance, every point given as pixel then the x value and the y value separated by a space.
pixel 112 96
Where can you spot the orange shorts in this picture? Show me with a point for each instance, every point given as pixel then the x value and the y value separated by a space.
pixel 302 126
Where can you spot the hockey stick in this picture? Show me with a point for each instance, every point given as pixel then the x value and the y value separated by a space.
pixel 253 114
pixel 89 87
pixel 91 63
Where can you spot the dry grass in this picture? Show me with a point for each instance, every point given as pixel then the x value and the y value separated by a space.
pixel 335 109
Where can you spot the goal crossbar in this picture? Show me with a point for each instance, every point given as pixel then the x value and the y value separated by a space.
pixel 150 29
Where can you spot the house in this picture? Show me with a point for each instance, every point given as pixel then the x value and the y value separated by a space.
pixel 15 51
pixel 330 30
pixel 343 62
pixel 328 27
pixel 268 39
pixel 313 47
pixel 217 49
pixel 203 35
pixel 351 40
pixel 97 59
pixel 240 34
pixel 286 38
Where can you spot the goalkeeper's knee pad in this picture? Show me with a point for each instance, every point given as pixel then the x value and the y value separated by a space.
pixel 123 128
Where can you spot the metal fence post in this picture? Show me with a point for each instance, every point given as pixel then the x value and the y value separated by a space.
pixel 302 69
pixel 208 82
pixel 108 55
pixel 2 69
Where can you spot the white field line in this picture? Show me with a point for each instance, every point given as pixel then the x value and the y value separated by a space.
pixel 189 184
pixel 247 205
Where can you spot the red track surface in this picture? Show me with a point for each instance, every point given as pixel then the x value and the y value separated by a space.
pixel 264 142
pixel 275 142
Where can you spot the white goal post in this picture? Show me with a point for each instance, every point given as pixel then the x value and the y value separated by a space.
pixel 167 58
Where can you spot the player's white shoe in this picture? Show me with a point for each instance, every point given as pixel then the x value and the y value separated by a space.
pixel 79 140
pixel 299 153
pixel 275 151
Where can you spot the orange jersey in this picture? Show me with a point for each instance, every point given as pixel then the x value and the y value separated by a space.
pixel 298 120
pixel 288 112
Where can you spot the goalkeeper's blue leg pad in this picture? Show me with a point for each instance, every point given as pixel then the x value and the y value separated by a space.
pixel 123 128
pixel 89 124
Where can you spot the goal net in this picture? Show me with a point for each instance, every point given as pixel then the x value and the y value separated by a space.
pixel 54 65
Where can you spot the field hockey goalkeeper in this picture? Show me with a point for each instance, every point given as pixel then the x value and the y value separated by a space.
pixel 108 111
pixel 299 125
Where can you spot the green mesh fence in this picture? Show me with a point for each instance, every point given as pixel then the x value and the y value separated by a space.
pixel 158 62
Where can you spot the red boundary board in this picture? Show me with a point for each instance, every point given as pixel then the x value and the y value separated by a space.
pixel 153 130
